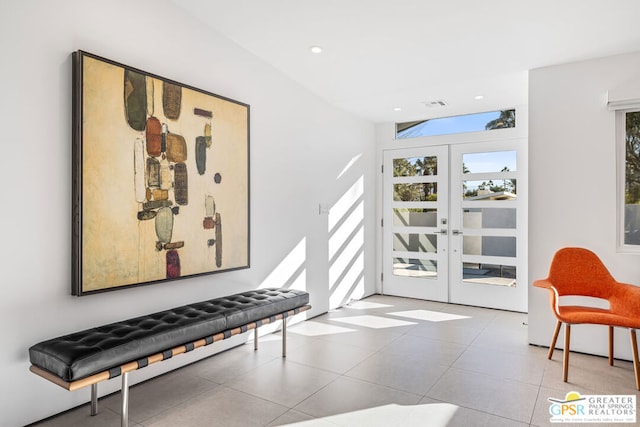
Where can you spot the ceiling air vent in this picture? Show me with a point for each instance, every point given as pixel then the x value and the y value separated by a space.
pixel 438 103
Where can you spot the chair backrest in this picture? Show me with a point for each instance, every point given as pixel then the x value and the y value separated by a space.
pixel 578 271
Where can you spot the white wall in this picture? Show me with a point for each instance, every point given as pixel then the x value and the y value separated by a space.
pixel 572 183
pixel 300 150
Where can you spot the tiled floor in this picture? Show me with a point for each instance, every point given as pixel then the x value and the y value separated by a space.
pixel 383 361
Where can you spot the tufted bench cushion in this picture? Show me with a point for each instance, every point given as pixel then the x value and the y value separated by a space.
pixel 80 354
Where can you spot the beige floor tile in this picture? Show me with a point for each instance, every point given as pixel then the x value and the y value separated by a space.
pixel 412 373
pixel 526 368
pixel 465 417
pixel 347 394
pixel 325 330
pixel 224 367
pixel 541 416
pixel 81 417
pixel 157 394
pixel 220 407
pixel 512 339
pixel 292 417
pixel 504 398
pixel 446 331
pixel 589 373
pixel 438 352
pixel 338 358
pixel 283 381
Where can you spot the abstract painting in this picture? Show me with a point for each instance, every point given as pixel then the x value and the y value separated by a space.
pixel 159 170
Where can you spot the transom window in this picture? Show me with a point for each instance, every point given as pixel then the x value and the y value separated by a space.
pixel 457 124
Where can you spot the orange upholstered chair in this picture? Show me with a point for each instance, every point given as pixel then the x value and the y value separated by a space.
pixel 579 272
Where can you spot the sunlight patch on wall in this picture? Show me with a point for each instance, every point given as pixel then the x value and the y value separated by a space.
pixel 349 280
pixel 346 246
pixel 342 233
pixel 352 251
pixel 349 165
pixel 290 273
pixel 345 203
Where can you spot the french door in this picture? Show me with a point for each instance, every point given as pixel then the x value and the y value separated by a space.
pixel 415 223
pixel 454 224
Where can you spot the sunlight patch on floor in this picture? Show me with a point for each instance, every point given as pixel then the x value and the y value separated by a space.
pixel 364 305
pixel 433 414
pixel 314 329
pixel 430 316
pixel 375 322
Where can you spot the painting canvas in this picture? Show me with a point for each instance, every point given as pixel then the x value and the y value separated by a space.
pixel 160 178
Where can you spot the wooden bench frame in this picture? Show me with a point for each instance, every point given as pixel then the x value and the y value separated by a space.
pixel 125 369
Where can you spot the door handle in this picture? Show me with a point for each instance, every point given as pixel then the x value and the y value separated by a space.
pixel 442 231
pixel 456 232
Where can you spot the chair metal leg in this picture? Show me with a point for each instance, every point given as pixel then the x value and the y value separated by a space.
pixel 555 338
pixel 565 363
pixel 610 345
pixel 634 349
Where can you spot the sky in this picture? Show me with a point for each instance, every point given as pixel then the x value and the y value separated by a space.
pixel 493 161
pixel 448 125
pixel 484 162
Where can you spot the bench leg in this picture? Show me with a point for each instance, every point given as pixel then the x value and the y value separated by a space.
pixel 94 399
pixel 284 337
pixel 255 338
pixel 124 415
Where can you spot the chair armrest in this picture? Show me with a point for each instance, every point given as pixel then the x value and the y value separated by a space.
pixel 626 300
pixel 553 297
pixel 542 283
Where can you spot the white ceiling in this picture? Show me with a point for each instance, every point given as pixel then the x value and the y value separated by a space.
pixel 382 54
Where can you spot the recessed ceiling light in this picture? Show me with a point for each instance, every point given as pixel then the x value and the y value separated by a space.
pixel 316 49
pixel 397 109
pixel 478 97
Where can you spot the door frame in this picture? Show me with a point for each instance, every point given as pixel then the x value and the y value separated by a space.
pixel 386 140
pixel 435 288
pixel 479 294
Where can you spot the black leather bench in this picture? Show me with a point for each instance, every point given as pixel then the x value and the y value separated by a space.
pixel 88 357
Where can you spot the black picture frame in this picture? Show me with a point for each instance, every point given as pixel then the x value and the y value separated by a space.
pixel 157 167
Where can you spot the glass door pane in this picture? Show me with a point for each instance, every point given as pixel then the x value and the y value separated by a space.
pixel 415 222
pixel 487 243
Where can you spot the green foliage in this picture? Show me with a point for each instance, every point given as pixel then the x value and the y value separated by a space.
pixel 507 119
pixel 632 168
pixel 507 186
pixel 415 167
